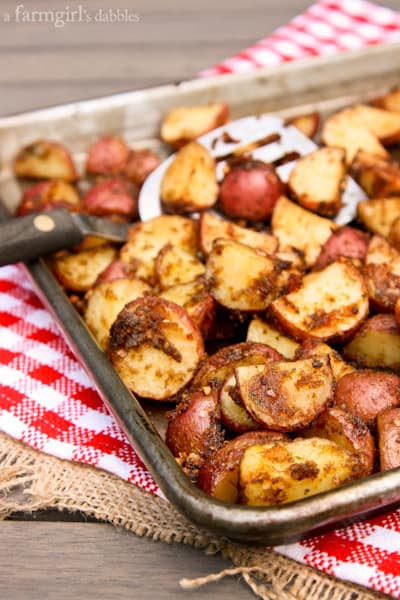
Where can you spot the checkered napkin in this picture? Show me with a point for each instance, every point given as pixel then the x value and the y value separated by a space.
pixel 48 401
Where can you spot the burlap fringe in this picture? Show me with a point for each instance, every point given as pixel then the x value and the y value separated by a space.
pixel 30 481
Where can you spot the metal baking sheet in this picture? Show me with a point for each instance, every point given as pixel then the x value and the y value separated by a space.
pixel 324 84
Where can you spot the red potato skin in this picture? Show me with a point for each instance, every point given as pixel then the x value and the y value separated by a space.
pixel 388 424
pixel 140 164
pixel 219 474
pixel 113 198
pixel 366 393
pixel 348 242
pixel 107 156
pixel 250 191
pixel 45 196
pixel 115 270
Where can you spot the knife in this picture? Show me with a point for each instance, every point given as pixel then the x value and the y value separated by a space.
pixel 25 238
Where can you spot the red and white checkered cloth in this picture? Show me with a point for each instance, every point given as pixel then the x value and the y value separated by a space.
pixel 48 401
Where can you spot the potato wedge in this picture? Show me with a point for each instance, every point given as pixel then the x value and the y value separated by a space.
pixel 281 472
pixel 245 279
pixel 388 424
pixel 186 123
pixel 106 300
pixel 219 474
pixel 378 177
pixel 234 416
pixel 290 221
pixel 378 214
pixel 382 123
pixel 330 304
pixel 155 347
pixel 367 393
pixel 175 266
pixel 46 195
pixel 261 332
pixel 382 274
pixel 390 101
pixel 211 227
pixel 107 156
pixel 45 159
pixel 376 344
pixel 146 239
pixel 197 301
pixel 317 180
pixel 285 396
pixel 346 242
pixel 348 432
pixel 190 182
pixel 78 272
pixel 307 124
pixel 310 348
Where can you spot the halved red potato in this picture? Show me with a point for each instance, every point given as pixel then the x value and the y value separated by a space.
pixel 107 156
pixel 194 430
pixel 330 304
pixel 190 182
pixel 221 365
pixel 346 241
pixel 78 272
pixel 307 124
pixel 45 159
pixel 317 180
pixel 234 416
pixel 115 270
pixel 285 471
pixel 106 300
pixel 367 393
pixel 219 474
pixel 211 227
pixel 245 279
pixel 175 266
pixel 378 177
pixel 376 344
pixel 46 195
pixel 285 396
pixel 155 347
pixel 140 164
pixel 146 239
pixel 388 425
pixel 310 348
pixel 186 123
pixel 349 432
pixel 197 301
pixel 114 198
pixel 296 227
pixel 250 191
pixel 378 214
pixel 390 101
pixel 382 274
pixel 262 332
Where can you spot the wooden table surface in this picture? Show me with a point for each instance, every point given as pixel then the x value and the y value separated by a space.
pixel 40 65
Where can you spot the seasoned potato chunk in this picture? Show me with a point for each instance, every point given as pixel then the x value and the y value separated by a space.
pixel 281 472
pixel 78 272
pixel 45 159
pixel 378 177
pixel 155 347
pixel 107 156
pixel 308 123
pixel 376 344
pixel 234 416
pixel 388 423
pixel 174 266
pixel 186 123
pixel 140 164
pixel 378 214
pixel 106 300
pixel 390 101
pixel 310 348
pixel 330 304
pixel 146 239
pixel 46 195
pixel 345 242
pixel 317 179
pixel 190 181
pixel 264 333
pixel 285 396
pixel 382 274
pixel 289 224
pixel 382 123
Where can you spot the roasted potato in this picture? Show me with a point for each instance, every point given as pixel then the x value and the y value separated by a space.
pixel 234 416
pixel 106 300
pixel 285 471
pixel 146 239
pixel 310 348
pixel 378 214
pixel 388 424
pixel 349 432
pixel 211 227
pixel 394 234
pixel 78 272
pixel 219 474
pixel 366 393
pixel 190 182
pixel 317 180
pixel 140 164
pixel 382 274
pixel 261 332
pixel 330 304
pixel 390 101
pixel 175 266
pixel 378 177
pixel 115 270
pixel 45 159
pixel 107 156
pixel 346 241
pixel 307 124
pixel 376 344
pixel 186 123
pixel 155 347
pixel 382 123
pixel 113 198
pixel 286 396
pixel 250 191
pixel 46 195
pixel 290 221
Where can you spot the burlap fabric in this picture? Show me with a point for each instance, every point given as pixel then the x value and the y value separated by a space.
pixel 30 481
